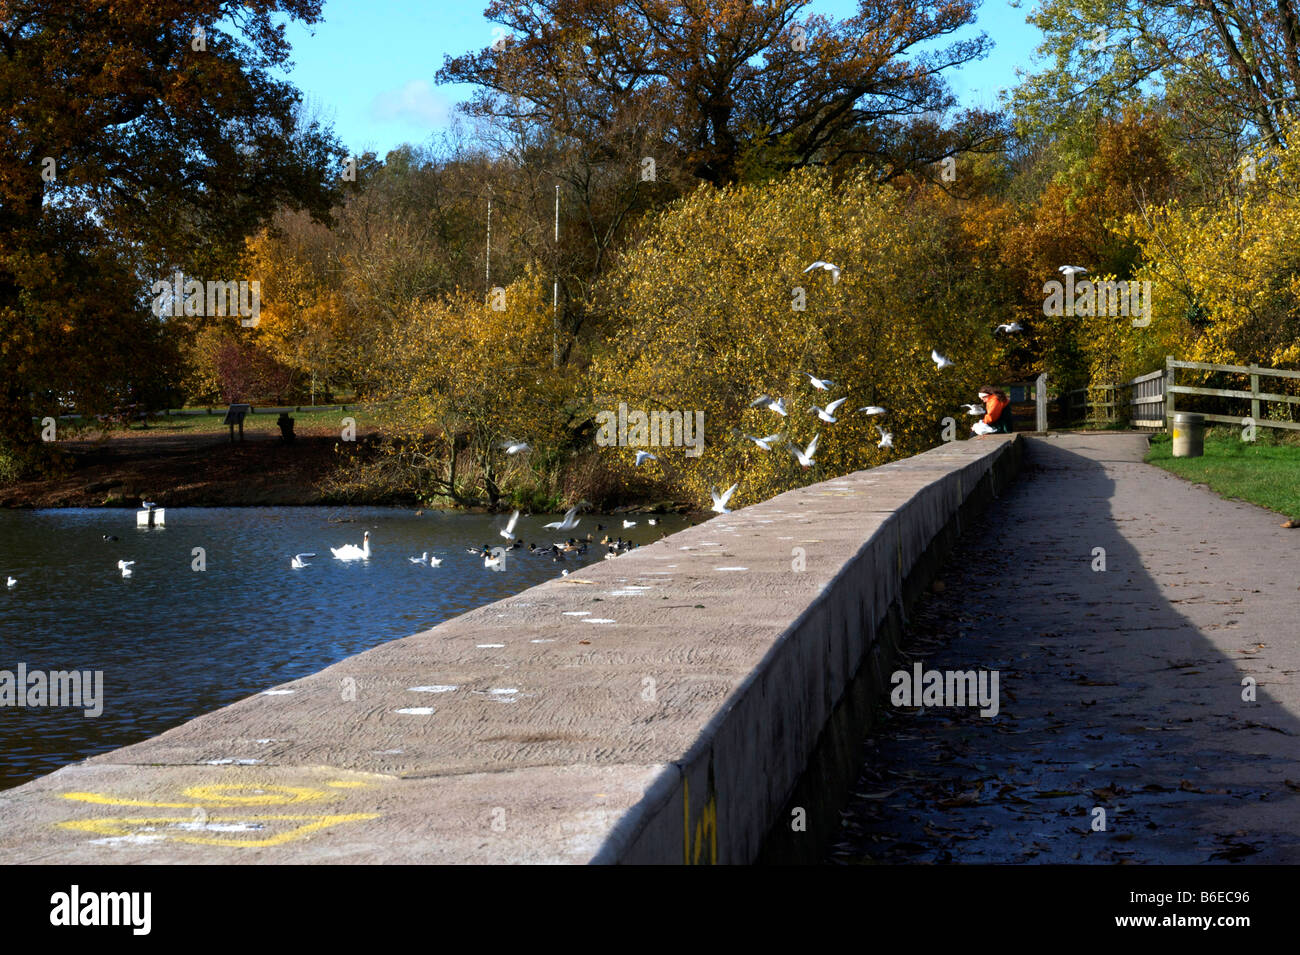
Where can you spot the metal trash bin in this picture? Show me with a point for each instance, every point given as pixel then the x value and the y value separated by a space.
pixel 1188 434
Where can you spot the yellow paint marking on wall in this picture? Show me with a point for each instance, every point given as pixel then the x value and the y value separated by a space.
pixel 123 826
pixel 215 796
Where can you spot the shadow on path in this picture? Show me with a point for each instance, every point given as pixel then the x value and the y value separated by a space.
pixel 1120 690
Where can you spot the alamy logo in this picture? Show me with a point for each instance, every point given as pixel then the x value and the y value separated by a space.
pixel 183 296
pixel 1127 299
pixel 83 688
pixel 658 429
pixel 75 907
pixel 946 688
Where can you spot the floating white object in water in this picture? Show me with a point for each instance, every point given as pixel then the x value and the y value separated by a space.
pixel 435 561
pixel 12 582
pixel 422 559
pixel 627 524
pixel 352 551
pixel 125 567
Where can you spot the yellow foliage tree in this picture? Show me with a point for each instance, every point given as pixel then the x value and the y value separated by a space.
pixel 715 308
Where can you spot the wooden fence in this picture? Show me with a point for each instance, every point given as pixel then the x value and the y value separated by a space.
pixel 1150 400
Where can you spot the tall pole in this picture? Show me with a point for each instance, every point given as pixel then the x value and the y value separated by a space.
pixel 555 288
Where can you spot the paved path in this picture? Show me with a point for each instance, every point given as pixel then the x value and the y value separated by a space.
pixel 1120 690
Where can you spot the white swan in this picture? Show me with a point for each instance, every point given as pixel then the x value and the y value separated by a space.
pixel 298 562
pixel 352 551
pixel 125 567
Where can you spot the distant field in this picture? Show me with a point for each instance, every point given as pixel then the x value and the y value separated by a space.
pixel 1265 472
pixel 304 422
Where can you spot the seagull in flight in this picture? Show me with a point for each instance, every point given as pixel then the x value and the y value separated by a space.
pixel 764 443
pixel 720 500
pixel 873 409
pixel 1009 327
pixel 771 404
pixel 886 438
pixel 514 447
pixel 821 384
pixel 939 360
pixel 828 413
pixel 1072 270
pixel 826 266
pixel 805 456
pixel 509 532
pixel 974 409
pixel 300 561
pixel 570 521
pixel 125 567
pixel 642 457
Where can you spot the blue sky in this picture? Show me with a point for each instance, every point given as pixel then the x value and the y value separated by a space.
pixel 369 66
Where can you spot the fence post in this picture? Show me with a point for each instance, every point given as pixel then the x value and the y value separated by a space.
pixel 1169 390
pixel 1040 396
pixel 1254 392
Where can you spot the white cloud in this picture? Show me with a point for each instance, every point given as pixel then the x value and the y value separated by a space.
pixel 417 103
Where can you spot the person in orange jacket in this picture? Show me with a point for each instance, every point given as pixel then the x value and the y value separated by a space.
pixel 997 414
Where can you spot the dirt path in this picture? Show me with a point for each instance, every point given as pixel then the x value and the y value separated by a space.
pixel 1120 690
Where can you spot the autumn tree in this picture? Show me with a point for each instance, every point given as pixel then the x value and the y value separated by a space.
pixel 718 80
pixel 139 138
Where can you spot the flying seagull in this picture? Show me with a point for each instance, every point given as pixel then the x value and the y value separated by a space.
pixel 886 438
pixel 939 360
pixel 821 384
pixel 974 409
pixel 827 266
pixel 873 409
pixel 642 457
pixel 300 561
pixel 125 567
pixel 1009 327
pixel 1072 270
pixel 509 532
pixel 514 447
pixel 764 443
pixel 771 404
pixel 805 456
pixel 570 521
pixel 827 413
pixel 720 500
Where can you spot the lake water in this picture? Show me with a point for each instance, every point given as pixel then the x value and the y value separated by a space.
pixel 174 642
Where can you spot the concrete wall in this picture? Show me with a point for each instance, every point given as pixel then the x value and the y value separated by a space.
pixel 671 705
pixel 788 737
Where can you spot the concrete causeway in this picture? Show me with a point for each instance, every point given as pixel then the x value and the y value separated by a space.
pixel 1125 689
pixel 660 707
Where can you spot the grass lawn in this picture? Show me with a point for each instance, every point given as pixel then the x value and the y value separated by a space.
pixel 1265 472
pixel 305 422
